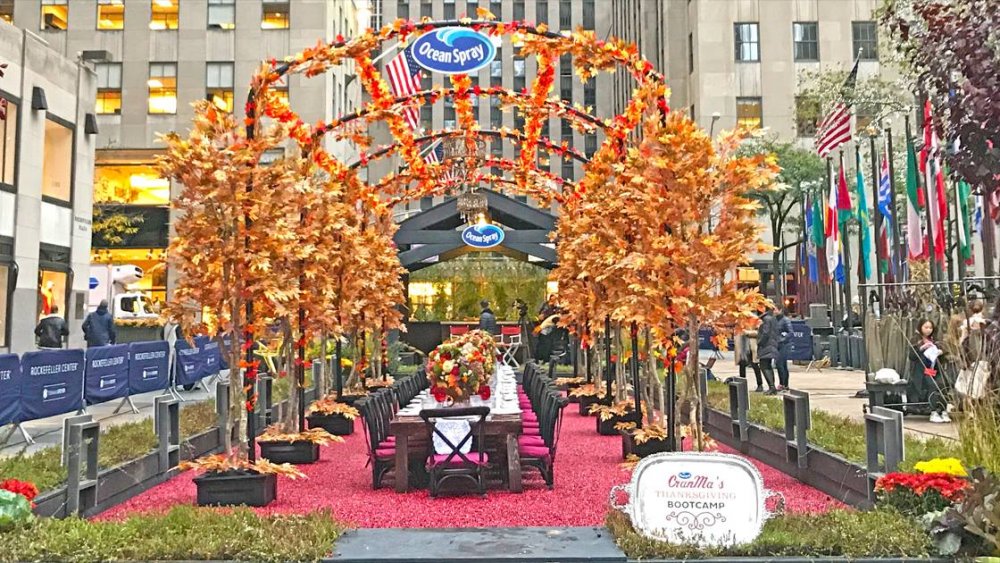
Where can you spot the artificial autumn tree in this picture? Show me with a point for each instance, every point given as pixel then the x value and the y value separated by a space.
pixel 694 223
pixel 234 220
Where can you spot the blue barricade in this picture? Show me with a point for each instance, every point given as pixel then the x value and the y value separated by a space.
pixel 211 356
pixel 705 340
pixel 147 367
pixel 800 342
pixel 106 373
pixel 51 383
pixel 188 363
pixel 10 388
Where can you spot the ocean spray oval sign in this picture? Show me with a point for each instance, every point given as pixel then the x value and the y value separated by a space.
pixel 482 236
pixel 453 50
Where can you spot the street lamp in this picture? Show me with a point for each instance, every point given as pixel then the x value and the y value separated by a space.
pixel 711 128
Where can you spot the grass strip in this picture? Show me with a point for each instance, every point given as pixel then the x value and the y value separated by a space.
pixel 836 533
pixel 834 433
pixel 118 444
pixel 183 533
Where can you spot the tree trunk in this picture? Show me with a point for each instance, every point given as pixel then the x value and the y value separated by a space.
pixel 776 261
pixel 694 386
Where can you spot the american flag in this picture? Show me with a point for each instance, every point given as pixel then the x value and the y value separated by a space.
pixel 436 155
pixel 835 129
pixel 404 79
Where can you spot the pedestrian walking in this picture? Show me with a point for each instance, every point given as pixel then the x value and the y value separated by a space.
pixel 768 339
pixel 487 319
pixel 784 346
pixel 746 356
pixel 99 327
pixel 51 329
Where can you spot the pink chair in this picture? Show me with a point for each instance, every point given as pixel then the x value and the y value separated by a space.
pixel 458 330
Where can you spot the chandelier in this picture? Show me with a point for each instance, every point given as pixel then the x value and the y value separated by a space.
pixel 472 203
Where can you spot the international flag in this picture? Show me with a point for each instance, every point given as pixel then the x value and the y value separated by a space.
pixel 930 166
pixel 812 260
pixel 404 80
pixel 963 191
pixel 845 210
pixel 436 156
pixel 885 207
pixel 865 264
pixel 835 129
pixel 832 232
pixel 914 203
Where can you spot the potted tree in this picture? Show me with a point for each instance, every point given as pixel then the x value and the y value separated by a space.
pixel 331 415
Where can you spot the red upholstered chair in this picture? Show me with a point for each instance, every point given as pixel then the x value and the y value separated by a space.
pixel 457 330
pixel 454 462
pixel 539 451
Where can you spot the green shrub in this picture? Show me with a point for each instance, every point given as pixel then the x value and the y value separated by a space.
pixel 118 444
pixel 838 533
pixel 834 433
pixel 185 533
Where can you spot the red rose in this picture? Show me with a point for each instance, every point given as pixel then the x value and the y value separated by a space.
pixel 445 356
pixel 484 392
pixel 439 394
pixel 455 371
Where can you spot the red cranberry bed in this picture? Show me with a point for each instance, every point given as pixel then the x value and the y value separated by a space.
pixel 587 466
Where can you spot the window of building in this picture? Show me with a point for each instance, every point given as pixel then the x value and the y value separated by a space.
pixel 8 152
pixel 566 131
pixel 546 130
pixel 747 42
pixel 109 88
pixel 55 14
pixel 590 94
pixel 449 9
pixel 281 93
pixel 219 85
pixel 131 184
pixel 865 35
pixel 496 8
pixel 864 115
pixel 566 88
pixel 805 36
pixel 519 66
pixel 4 305
pixel 565 14
pixel 222 14
pixel 110 14
pixel 471 7
pixel 690 52
pixel 749 112
pixel 402 11
pixel 7 15
pixel 496 114
pixel 496 68
pixel 162 84
pixel 52 292
pixel 164 15
pixel 518 10
pixel 57 162
pixel 275 14
pixel 426 9
pixel 542 11
pixel 588 14
pixel 590 144
pixel 449 113
pixel 568 170
pixel 807 111
pixel 426 116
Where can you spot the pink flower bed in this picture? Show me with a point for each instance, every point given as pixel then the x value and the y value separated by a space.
pixel 587 466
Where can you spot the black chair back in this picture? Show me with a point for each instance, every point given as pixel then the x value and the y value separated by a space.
pixel 474 435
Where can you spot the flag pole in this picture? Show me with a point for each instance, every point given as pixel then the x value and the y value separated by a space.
pixel 897 244
pixel 834 290
pixel 846 250
pixel 880 257
pixel 929 199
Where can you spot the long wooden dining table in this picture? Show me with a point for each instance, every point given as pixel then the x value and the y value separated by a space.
pixel 410 430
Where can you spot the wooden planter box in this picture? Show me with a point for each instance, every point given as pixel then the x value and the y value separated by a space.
pixel 250 489
pixel 607 427
pixel 282 451
pixel 335 424
pixel 650 447
pixel 585 403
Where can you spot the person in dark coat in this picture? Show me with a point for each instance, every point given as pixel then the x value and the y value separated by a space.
pixel 768 339
pixel 926 382
pixel 51 330
pixel 784 346
pixel 99 327
pixel 487 320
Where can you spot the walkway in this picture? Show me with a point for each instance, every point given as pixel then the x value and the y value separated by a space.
pixel 47 432
pixel 588 466
pixel 833 390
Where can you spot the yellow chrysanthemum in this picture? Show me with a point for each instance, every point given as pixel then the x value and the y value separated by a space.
pixel 949 465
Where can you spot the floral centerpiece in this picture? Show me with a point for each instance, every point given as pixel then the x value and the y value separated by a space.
pixel 461 367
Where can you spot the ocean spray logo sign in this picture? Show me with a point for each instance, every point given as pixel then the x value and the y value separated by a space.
pixel 482 236
pixel 453 50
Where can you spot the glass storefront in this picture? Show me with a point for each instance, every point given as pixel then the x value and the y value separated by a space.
pixel 52 292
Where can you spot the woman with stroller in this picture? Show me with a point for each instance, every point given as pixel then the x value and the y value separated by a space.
pixel 925 377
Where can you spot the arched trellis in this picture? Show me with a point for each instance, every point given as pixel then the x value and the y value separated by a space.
pixel 590 56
